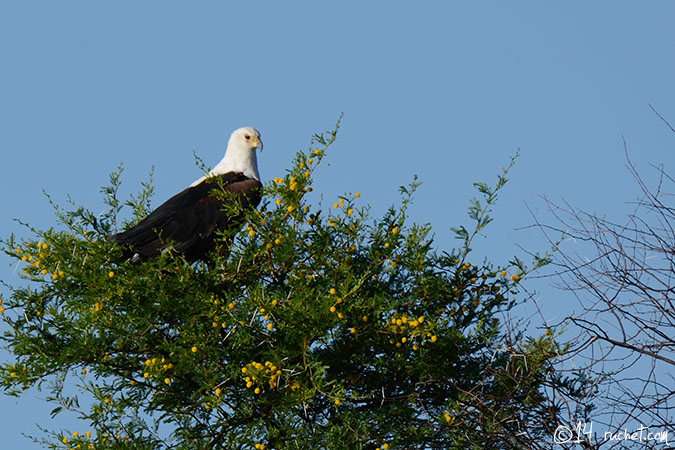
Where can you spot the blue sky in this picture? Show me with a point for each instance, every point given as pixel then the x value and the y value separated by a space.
pixel 445 90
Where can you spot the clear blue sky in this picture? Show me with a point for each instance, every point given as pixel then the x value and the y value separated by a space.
pixel 446 90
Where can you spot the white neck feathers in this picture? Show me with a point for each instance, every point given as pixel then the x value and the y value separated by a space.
pixel 240 156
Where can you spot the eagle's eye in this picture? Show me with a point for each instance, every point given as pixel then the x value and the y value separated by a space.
pixel 247 136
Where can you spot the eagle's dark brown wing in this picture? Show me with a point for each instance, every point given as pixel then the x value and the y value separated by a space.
pixel 189 221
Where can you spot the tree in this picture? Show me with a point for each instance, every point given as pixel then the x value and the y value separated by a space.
pixel 624 333
pixel 323 328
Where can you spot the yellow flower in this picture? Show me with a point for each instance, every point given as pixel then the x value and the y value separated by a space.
pixel 278 201
pixel 350 211
pixel 290 208
pixel 317 151
pixel 337 401
pixel 335 205
pixel 243 370
pixel 394 230
pixel 357 195
pixel 310 161
pixel 270 326
pixel 502 273
pixel 111 274
pixel 332 291
pixel 194 349
pixel 217 391
pixel 251 232
pixel 257 390
pixel 434 338
pixel 332 309
pixel 167 380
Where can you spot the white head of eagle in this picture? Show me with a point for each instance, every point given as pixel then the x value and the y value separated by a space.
pixel 191 221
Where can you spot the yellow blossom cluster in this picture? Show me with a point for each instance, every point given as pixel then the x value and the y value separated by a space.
pixel 265 316
pixel 220 310
pixel 406 331
pixel 37 256
pixel 98 306
pixel 79 441
pixel 338 301
pixel 157 368
pixel 347 208
pixel 86 441
pixel 13 372
pixel 255 376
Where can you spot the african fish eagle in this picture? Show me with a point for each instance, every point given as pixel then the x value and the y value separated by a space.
pixel 189 222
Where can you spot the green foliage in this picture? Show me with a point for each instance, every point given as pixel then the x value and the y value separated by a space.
pixel 323 328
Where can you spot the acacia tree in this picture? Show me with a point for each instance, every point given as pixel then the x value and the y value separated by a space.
pixel 322 328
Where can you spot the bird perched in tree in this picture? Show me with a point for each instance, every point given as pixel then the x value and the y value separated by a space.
pixel 190 222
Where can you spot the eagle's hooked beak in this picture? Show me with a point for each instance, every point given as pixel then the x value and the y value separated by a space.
pixel 258 144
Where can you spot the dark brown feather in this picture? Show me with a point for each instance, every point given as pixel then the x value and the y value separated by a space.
pixel 189 222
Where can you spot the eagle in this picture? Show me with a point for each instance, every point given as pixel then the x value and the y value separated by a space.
pixel 190 222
